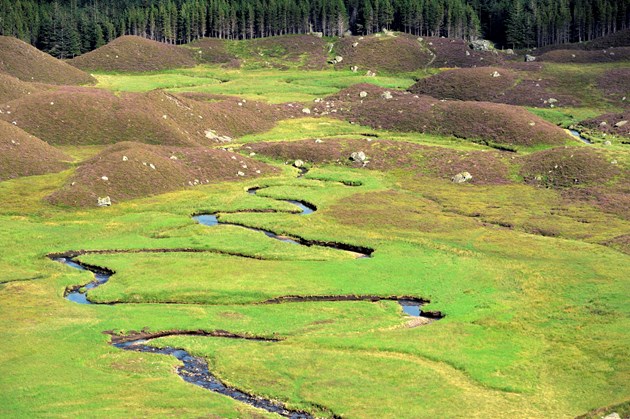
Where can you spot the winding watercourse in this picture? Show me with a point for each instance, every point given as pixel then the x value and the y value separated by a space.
pixel 195 370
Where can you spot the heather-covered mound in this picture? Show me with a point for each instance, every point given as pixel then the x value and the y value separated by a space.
pixel 21 154
pixel 479 84
pixel 491 123
pixel 27 63
pixel 567 166
pixel 458 53
pixel 82 116
pixel 493 84
pixel 212 51
pixel 389 53
pixel 615 85
pixel 440 162
pixel 610 123
pixel 306 51
pixel 135 54
pixel 12 88
pixel 584 57
pixel 131 170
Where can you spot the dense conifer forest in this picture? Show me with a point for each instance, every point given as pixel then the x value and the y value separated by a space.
pixel 67 28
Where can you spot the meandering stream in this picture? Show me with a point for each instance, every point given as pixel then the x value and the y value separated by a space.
pixel 195 370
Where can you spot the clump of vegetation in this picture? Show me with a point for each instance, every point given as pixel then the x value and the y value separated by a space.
pixel 564 167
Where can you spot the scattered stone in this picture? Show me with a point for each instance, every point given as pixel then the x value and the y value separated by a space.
pixel 240 174
pixel 125 158
pixel 481 45
pixel 620 124
pixel 212 135
pixel 339 58
pixel 467 53
pixel 496 74
pixel 387 95
pixel 354 68
pixel 370 73
pixel 298 163
pixel 552 100
pixel 105 178
pixel 529 58
pixel 358 156
pixel 603 124
pixel 354 45
pixel 306 111
pixel 607 142
pixel 461 177
pixel 152 166
pixel 363 94
pixel 613 415
pixel 104 202
pixel 252 154
pixel 532 124
pixel 509 51
pixel 318 141
pixel 173 157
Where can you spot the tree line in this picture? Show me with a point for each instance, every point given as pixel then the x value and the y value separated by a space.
pixel 66 28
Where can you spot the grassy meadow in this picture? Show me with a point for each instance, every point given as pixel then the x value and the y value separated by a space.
pixel 534 294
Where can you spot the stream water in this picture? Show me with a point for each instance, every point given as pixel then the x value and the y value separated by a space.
pixel 195 370
pixel 579 136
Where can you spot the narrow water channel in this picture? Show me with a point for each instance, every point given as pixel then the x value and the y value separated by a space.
pixel 195 370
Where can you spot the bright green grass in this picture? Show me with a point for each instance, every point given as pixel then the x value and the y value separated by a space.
pixel 535 326
pixel 267 85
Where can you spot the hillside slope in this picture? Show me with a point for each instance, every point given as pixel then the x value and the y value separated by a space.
pixel 27 63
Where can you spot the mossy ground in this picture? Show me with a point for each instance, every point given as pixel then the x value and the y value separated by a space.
pixel 535 301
